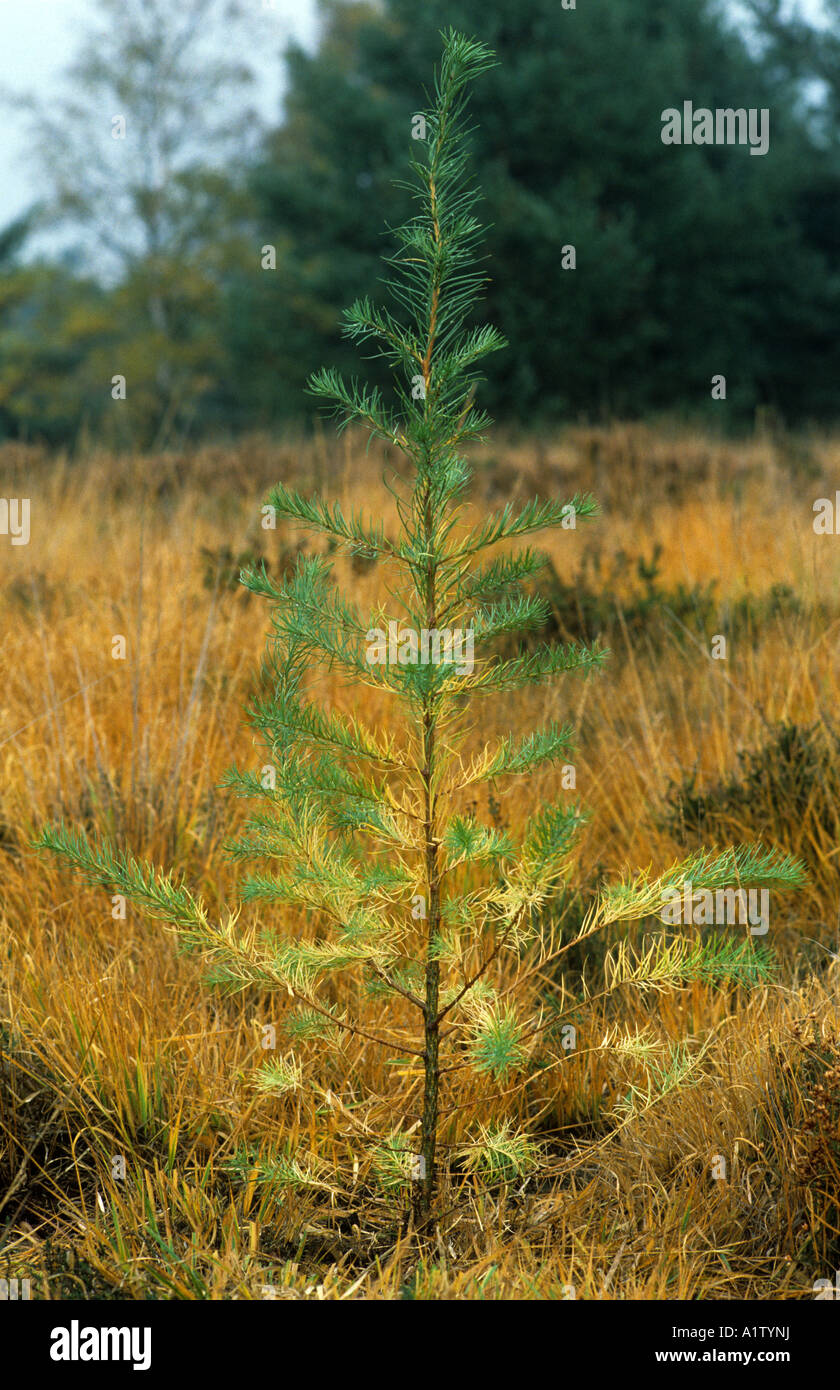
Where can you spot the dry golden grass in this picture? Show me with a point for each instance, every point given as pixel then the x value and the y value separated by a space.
pixel 111 1045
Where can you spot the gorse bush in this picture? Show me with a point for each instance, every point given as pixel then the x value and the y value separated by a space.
pixel 587 605
pixel 787 788
pixel 624 599
pixel 383 908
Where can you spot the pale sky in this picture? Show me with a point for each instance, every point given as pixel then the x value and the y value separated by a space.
pixel 38 38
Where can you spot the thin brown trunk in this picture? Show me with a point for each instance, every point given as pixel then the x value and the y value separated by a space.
pixel 428 1131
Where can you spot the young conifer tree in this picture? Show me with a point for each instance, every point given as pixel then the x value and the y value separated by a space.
pixel 363 831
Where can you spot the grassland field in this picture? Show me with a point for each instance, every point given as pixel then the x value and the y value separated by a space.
pixel 112 1047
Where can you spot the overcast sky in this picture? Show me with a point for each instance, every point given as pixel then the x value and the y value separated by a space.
pixel 38 37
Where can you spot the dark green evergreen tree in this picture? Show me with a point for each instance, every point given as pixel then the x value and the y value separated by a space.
pixel 690 262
